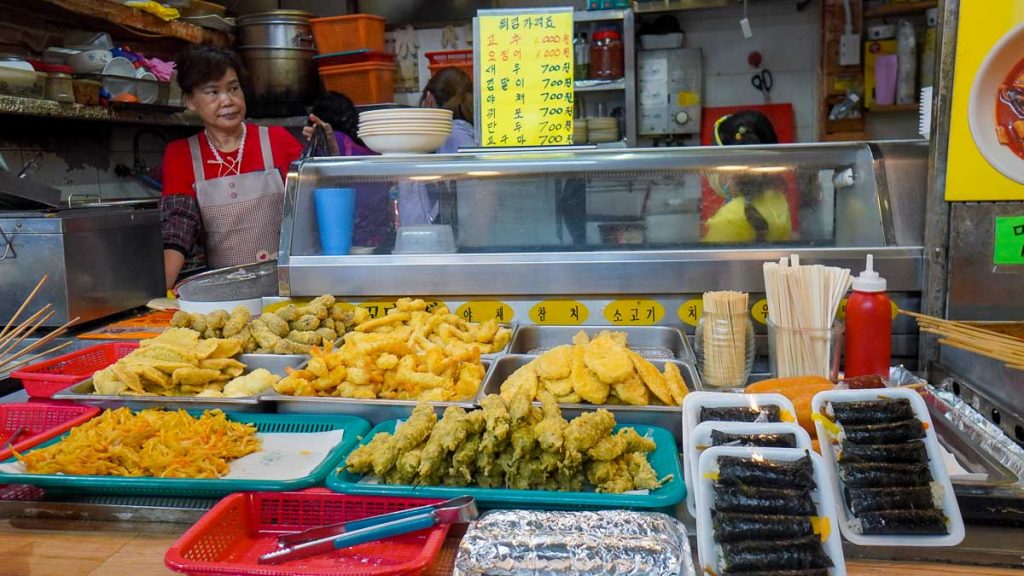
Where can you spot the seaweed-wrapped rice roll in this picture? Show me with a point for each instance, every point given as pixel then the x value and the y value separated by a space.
pixel 912 452
pixel 768 413
pixel 880 475
pixel 861 500
pixel 769 474
pixel 900 522
pixel 791 554
pixel 743 498
pixel 889 433
pixel 733 527
pixel 871 411
pixel 783 440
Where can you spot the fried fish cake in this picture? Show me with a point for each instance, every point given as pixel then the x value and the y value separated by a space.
pixel 608 359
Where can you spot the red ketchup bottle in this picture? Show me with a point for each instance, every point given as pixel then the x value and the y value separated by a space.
pixel 868 325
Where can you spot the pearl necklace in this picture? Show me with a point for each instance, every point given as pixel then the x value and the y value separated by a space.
pixel 226 169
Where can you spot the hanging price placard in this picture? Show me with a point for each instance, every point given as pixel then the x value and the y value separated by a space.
pixel 524 83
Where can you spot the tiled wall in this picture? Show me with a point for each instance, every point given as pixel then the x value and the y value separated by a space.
pixel 81 158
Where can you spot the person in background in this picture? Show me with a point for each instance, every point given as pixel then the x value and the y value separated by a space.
pixel 755 209
pixel 450 89
pixel 223 188
pixel 340 119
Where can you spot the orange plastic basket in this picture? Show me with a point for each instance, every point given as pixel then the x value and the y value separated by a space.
pixel 369 83
pixel 462 59
pixel 230 538
pixel 344 33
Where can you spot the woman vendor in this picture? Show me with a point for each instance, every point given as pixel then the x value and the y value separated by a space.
pixel 224 187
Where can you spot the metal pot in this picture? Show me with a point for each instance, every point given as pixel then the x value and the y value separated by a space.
pixel 280 74
pixel 276 29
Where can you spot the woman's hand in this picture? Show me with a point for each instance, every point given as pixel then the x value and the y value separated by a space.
pixel 332 144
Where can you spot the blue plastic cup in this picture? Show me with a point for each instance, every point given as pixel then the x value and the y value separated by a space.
pixel 335 216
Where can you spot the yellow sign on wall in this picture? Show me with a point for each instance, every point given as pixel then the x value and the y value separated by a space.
pixel 634 312
pixel 525 80
pixel 989 41
pixel 559 312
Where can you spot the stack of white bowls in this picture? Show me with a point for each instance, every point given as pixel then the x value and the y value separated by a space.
pixel 405 130
pixel 603 130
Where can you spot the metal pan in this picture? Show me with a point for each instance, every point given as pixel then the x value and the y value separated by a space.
pixel 82 392
pixel 668 417
pixel 376 411
pixel 651 342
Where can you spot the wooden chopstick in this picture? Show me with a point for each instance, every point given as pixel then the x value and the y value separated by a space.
pixel 24 304
pixel 8 347
pixel 34 357
pixel 21 328
pixel 45 339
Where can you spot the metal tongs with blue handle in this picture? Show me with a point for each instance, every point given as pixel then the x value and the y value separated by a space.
pixel 342 535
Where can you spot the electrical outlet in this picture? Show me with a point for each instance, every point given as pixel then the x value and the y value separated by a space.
pixel 849 50
pixel 745 27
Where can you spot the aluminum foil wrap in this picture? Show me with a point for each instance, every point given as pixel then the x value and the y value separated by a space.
pixel 611 542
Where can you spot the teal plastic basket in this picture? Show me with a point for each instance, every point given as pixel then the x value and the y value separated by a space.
pixel 210 487
pixel 664 460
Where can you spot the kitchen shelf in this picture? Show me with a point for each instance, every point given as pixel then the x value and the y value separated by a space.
pixel 900 9
pixel 598 15
pixel 656 6
pixel 599 85
pixel 120 18
pixel 895 108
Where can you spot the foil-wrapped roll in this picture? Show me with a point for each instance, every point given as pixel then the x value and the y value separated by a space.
pixel 611 542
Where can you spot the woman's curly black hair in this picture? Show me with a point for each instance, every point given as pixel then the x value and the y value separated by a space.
pixel 202 63
pixel 338 110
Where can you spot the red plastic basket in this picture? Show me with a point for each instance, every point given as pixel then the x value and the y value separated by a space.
pixel 46 378
pixel 229 538
pixel 38 423
pixel 462 59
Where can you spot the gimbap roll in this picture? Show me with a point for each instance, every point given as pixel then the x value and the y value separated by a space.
pixel 900 522
pixel 743 498
pixel 733 527
pixel 861 500
pixel 912 452
pixel 764 473
pixel 881 475
pixel 784 440
pixel 768 413
pixel 871 411
pixel 889 433
pixel 791 554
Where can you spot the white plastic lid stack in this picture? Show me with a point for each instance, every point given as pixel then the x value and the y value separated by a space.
pixel 869 280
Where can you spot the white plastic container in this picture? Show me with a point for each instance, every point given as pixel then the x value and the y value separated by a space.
pixel 699 440
pixel 824 496
pixel 694 401
pixel 661 41
pixel 950 508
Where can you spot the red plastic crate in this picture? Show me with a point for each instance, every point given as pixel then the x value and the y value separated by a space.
pixel 369 83
pixel 230 538
pixel 352 32
pixel 39 422
pixel 46 378
pixel 462 59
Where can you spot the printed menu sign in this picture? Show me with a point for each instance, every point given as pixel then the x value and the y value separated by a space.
pixel 524 84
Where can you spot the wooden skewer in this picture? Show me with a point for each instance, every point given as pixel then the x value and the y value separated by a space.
pixel 13 367
pixel 974 333
pixel 993 347
pixel 962 326
pixel 62 329
pixel 6 347
pixel 22 327
pixel 24 304
pixel 1011 362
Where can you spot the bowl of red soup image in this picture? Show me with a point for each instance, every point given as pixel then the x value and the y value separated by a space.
pixel 996 107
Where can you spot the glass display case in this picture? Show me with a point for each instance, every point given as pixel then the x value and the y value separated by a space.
pixel 600 222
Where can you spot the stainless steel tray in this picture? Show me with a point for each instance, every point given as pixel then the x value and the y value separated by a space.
pixel 82 394
pixel 668 417
pixel 376 411
pixel 651 342
pixel 275 363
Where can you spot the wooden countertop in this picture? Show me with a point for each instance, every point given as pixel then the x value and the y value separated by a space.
pixel 74 548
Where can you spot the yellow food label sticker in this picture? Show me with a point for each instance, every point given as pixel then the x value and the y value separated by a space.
pixel 760 311
pixel 641 312
pixel 688 98
pixel 278 305
pixel 690 311
pixel 433 305
pixel 377 308
pixel 559 312
pixel 484 310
